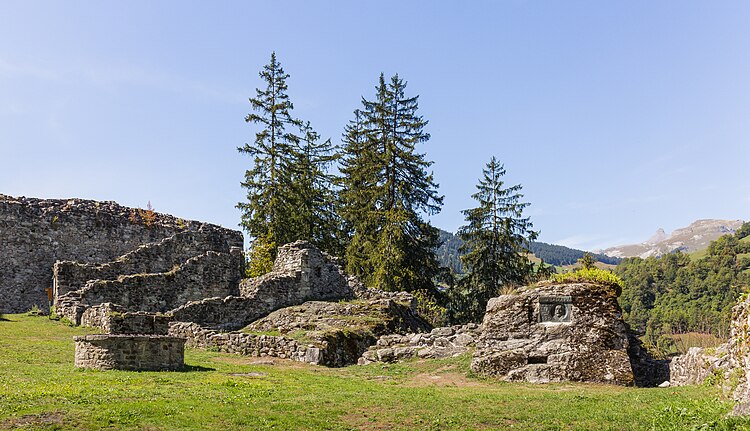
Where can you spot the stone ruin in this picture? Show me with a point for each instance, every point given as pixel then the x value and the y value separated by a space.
pixel 156 277
pixel 560 332
pixel 35 233
pixel 133 341
pixel 283 313
pixel 727 365
pixel 153 282
pixel 443 342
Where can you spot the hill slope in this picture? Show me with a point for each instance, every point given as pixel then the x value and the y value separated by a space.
pixel 689 239
pixel 558 255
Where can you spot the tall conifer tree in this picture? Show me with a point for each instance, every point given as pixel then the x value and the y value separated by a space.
pixel 267 213
pixel 496 244
pixel 358 195
pixel 316 218
pixel 387 191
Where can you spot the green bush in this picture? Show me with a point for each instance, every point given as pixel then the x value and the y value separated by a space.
pixel 427 307
pixel 260 257
pixel 589 275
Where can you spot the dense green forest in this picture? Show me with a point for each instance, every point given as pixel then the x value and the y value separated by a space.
pixel 677 294
pixel 448 253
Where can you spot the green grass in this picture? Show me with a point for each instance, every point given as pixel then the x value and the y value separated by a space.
pixel 40 389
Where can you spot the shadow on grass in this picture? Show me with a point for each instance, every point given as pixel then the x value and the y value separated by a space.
pixel 194 368
pixel 3 319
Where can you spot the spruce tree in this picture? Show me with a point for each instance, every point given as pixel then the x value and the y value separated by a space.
pixel 496 244
pixel 387 191
pixel 316 218
pixel 267 214
pixel 357 198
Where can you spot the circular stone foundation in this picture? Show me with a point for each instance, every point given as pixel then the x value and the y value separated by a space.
pixel 130 352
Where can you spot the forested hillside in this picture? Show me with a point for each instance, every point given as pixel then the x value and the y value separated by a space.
pixel 676 294
pixel 558 255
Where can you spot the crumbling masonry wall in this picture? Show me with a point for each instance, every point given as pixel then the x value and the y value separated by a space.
pixel 300 273
pixel 34 233
pixel 210 274
pixel 158 257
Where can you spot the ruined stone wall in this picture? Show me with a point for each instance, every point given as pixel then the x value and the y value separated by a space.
pixel 34 233
pixel 209 275
pixel 728 365
pixel 301 273
pixel 130 352
pixel 441 342
pixel 245 344
pixel 113 319
pixel 227 314
pixel 158 257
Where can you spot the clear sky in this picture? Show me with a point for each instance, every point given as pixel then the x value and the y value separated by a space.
pixel 616 117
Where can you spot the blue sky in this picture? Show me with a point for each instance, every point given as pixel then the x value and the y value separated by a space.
pixel 616 117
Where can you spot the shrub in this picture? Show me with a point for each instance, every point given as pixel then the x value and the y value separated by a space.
pixel 589 275
pixel 260 257
pixel 427 307
pixel 35 311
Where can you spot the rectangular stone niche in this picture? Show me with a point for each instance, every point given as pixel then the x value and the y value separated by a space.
pixel 555 308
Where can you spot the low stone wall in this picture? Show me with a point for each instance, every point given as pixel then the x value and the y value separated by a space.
pixel 335 333
pixel 113 319
pixel 157 257
pixel 130 352
pixel 439 343
pixel 245 344
pixel 695 366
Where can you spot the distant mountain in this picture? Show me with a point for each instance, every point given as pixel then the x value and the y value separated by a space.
pixel 695 237
pixel 558 255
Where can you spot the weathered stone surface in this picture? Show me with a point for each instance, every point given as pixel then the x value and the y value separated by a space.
pixel 585 340
pixel 113 319
pixel 207 275
pixel 342 330
pixel 439 343
pixel 301 273
pixel 695 366
pixel 153 258
pixel 245 344
pixel 130 352
pixel 738 364
pixel 35 233
pixel 728 364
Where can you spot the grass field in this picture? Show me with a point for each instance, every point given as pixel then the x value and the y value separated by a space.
pixel 40 389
